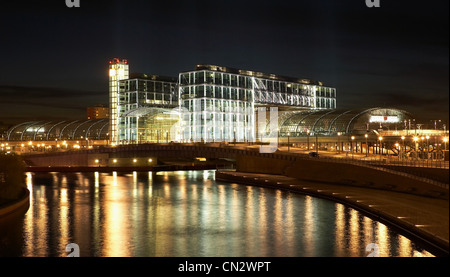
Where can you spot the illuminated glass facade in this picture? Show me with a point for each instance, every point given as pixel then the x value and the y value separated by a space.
pixel 219 103
pixel 145 105
pixel 209 104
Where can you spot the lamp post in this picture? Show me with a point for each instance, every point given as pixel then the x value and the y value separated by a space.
pixel 379 146
pixel 398 149
pixel 288 134
pixel 428 147
pixel 422 138
pixel 403 146
pixel 367 146
pixel 445 139
pixel 339 142
pixel 416 139
pixel 353 138
pixel 307 137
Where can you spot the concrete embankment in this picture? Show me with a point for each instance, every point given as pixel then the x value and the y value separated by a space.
pixel 415 208
pixel 329 172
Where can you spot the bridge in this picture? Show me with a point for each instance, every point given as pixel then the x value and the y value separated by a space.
pixel 147 156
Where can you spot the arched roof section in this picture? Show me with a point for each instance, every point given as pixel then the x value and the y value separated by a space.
pixel 30 130
pixel 93 129
pixel 15 132
pixel 330 122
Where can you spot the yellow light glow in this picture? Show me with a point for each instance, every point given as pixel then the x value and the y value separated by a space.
pixel 445 139
pixel 380 138
pixel 134 161
pixel 112 72
pixel 114 161
pixel 150 160
pixel 416 138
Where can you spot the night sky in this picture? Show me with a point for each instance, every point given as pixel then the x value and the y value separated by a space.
pixel 55 59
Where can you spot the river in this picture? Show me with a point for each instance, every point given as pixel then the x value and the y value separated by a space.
pixel 186 214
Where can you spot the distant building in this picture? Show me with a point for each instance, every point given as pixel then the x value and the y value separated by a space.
pixel 97 112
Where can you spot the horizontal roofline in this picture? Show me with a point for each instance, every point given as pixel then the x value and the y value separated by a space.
pixel 257 74
pixel 152 77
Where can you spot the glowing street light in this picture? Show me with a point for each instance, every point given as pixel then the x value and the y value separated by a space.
pixel 307 137
pixel 445 139
pixel 367 145
pixel 380 139
pixel 403 144
pixel 339 146
pixel 353 138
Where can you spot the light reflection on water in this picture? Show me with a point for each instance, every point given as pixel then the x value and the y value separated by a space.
pixel 188 213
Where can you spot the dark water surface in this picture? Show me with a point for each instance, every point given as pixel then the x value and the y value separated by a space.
pixel 186 213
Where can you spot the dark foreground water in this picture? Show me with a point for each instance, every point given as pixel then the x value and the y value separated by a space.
pixel 186 213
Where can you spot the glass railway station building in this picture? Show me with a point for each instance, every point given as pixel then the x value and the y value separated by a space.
pixel 208 104
pixel 215 104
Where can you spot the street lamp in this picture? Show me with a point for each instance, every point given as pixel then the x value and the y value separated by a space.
pixel 428 147
pixel 367 146
pixel 307 137
pixel 339 143
pixel 353 138
pixel 288 134
pixel 422 138
pixel 445 139
pixel 403 143
pixel 416 139
pixel 397 147
pixel 379 146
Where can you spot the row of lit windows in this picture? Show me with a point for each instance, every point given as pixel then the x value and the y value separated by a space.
pixel 325 103
pixel 207 104
pixel 216 92
pixel 147 86
pixel 233 80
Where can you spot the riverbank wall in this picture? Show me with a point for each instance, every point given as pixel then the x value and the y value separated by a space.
pixel 324 171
